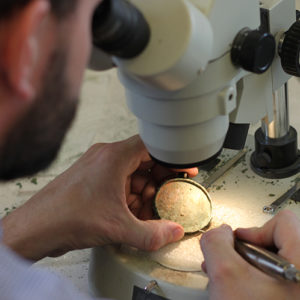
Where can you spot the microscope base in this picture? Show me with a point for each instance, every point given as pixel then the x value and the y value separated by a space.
pixel 276 173
pixel 276 158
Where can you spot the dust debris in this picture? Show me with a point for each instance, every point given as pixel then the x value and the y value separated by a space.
pixel 34 181
pixel 8 210
pixel 19 184
pixel 219 187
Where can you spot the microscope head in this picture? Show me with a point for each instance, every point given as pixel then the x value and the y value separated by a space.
pixel 176 54
pixel 186 77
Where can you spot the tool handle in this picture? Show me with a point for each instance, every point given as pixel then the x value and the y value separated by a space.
pixel 267 261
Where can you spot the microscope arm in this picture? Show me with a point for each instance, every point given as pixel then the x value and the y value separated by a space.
pixel 201 66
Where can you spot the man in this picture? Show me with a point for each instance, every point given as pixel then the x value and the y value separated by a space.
pixel 44 47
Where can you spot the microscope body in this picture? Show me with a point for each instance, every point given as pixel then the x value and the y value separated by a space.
pixel 206 65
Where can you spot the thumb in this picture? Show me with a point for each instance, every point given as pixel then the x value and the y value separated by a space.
pixel 153 234
pixel 221 260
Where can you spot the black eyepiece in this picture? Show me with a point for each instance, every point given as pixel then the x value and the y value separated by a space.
pixel 120 29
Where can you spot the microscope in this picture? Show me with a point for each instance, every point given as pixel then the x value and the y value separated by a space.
pixel 198 72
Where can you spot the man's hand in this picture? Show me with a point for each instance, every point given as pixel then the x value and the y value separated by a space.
pixel 104 198
pixel 231 277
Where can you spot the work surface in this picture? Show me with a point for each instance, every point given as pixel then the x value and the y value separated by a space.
pixel 103 116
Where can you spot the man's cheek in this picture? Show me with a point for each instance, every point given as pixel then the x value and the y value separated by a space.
pixel 77 62
pixel 79 45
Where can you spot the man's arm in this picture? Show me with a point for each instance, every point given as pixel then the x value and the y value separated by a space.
pixel 104 198
pixel 231 277
pixel 18 280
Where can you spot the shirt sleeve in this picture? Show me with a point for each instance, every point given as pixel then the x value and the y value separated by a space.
pixel 19 280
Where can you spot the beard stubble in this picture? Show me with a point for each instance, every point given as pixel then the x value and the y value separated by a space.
pixel 34 142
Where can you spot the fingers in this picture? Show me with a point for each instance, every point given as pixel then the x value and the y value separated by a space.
pixel 138 182
pixel 152 235
pixel 135 204
pixel 131 155
pixel 160 173
pixel 283 226
pixel 231 277
pixel 203 267
pixel 147 165
pixel 134 153
pixel 260 236
pixel 136 148
pixel 221 260
pixel 148 195
pixel 282 231
pixel 192 172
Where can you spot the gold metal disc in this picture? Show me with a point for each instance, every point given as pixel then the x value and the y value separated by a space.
pixel 185 202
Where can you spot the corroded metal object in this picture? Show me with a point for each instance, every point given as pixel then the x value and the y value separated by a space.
pixel 185 202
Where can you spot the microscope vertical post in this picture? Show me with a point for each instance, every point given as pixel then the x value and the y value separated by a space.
pixel 279 126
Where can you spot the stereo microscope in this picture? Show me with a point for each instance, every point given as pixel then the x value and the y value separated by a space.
pixel 196 74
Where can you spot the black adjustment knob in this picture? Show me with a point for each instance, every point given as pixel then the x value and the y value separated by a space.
pixel 253 50
pixel 290 50
pixel 263 159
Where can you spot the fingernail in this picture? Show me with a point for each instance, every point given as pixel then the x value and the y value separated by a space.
pixel 203 267
pixel 225 226
pixel 178 233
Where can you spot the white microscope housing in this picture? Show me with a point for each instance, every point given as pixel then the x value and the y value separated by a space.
pixel 184 87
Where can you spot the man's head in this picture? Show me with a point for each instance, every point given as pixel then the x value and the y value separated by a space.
pixel 44 47
pixel 59 8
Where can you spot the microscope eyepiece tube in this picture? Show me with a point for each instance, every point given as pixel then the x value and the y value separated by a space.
pixel 120 29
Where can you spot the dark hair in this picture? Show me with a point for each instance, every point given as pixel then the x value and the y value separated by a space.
pixel 60 8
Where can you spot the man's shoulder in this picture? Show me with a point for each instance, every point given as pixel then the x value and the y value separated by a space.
pixel 20 280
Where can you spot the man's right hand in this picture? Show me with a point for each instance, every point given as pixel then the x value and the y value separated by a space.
pixel 231 277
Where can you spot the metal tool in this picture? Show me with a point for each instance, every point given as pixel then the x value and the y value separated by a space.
pixel 222 170
pixel 267 261
pixel 273 207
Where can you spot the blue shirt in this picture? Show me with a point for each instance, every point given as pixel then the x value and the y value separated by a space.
pixel 19 280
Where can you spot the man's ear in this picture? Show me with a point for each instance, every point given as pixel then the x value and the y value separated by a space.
pixel 22 48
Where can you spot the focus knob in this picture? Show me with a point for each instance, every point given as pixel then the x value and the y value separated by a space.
pixel 263 159
pixel 253 50
pixel 290 49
